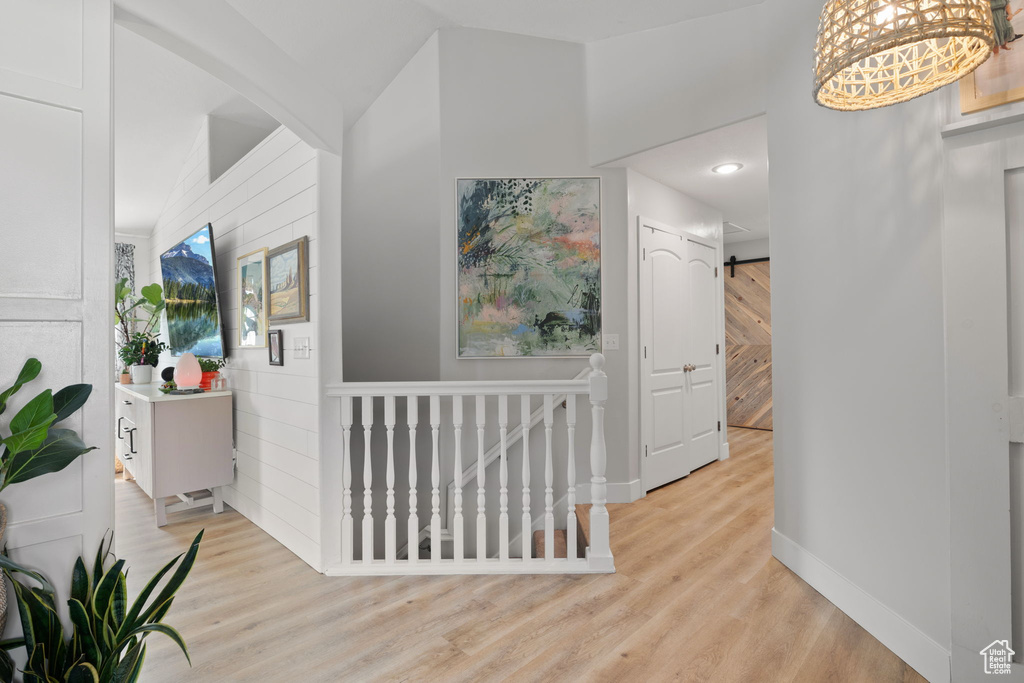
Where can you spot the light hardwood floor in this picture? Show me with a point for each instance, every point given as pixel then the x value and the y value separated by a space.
pixel 697 597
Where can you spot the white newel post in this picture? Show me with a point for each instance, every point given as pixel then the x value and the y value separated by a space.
pixel 600 553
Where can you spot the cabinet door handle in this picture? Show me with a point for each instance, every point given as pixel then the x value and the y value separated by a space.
pixel 131 440
pixel 119 420
pixel 126 402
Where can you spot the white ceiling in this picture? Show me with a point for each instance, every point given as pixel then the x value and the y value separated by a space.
pixel 686 165
pixel 159 104
pixel 357 47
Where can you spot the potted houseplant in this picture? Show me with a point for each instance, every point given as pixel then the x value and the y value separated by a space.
pixel 107 642
pixel 34 445
pixel 135 315
pixel 141 353
pixel 211 368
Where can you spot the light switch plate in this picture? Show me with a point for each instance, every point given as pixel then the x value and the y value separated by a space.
pixel 301 347
pixel 611 342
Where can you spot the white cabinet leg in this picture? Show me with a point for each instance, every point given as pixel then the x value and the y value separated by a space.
pixel 218 500
pixel 161 512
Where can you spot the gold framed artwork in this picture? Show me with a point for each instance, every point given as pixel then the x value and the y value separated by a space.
pixel 1000 80
pixel 288 279
pixel 252 301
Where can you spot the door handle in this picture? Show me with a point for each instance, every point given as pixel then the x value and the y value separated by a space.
pixel 689 368
pixel 131 440
pixel 119 432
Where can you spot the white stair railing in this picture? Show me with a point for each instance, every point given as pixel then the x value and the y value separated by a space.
pixel 372 561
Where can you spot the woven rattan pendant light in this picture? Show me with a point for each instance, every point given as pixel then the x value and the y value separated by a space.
pixel 873 53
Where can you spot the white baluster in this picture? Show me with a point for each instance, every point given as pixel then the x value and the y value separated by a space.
pixel 367 480
pixel 481 480
pixel 600 553
pixel 570 498
pixel 503 478
pixel 435 481
pixel 458 524
pixel 412 416
pixel 549 479
pixel 346 480
pixel 390 530
pixel 527 535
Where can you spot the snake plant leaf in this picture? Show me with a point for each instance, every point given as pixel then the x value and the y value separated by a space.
pixel 162 611
pixel 31 425
pixel 80 582
pixel 128 668
pixel 179 576
pixel 87 644
pixel 101 555
pixel 13 567
pixel 168 631
pixel 105 590
pixel 59 449
pixel 35 670
pixel 29 371
pixel 69 399
pixel 6 667
pixel 132 619
pixel 153 293
pixel 83 673
pixel 119 601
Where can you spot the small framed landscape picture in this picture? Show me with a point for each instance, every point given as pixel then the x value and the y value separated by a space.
pixel 289 285
pixel 276 347
pixel 252 308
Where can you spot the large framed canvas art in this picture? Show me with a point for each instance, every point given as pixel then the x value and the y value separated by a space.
pixel 1000 80
pixel 529 267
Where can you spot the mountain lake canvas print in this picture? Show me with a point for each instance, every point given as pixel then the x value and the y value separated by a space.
pixel 190 290
pixel 529 267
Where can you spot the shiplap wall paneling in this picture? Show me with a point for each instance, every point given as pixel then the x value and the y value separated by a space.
pixel 748 345
pixel 57 234
pixel 266 199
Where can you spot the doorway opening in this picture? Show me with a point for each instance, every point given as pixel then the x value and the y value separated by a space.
pixel 699 211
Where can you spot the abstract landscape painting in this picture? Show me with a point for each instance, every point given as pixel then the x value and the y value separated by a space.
pixel 252 311
pixel 190 290
pixel 529 267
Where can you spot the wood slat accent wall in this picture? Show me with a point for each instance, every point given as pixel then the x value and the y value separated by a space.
pixel 748 345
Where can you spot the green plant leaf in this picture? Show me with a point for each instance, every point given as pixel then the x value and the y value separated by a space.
pixel 168 631
pixel 84 631
pixel 30 426
pixel 153 294
pixel 13 567
pixel 162 611
pixel 131 620
pixel 128 669
pixel 119 601
pixel 80 582
pixel 6 667
pixel 105 590
pixel 29 371
pixel 69 399
pixel 59 449
pixel 83 673
pixel 179 576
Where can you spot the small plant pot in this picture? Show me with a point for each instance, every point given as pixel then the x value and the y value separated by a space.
pixel 207 380
pixel 126 378
pixel 142 374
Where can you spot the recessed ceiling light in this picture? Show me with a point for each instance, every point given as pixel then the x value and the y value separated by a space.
pixel 726 169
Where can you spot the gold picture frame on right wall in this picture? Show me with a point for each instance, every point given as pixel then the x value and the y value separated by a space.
pixel 1000 80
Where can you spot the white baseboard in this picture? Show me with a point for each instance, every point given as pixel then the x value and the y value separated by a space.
pixel 926 656
pixel 618 492
pixel 723 451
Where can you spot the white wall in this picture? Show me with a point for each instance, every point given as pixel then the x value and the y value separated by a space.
pixel 390 247
pixel 267 199
pixel 861 487
pixel 749 249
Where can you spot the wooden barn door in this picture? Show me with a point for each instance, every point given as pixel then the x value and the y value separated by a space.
pixel 748 345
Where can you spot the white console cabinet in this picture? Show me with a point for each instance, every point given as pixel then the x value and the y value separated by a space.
pixel 175 446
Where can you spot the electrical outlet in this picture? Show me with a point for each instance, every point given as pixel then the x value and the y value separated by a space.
pixel 301 347
pixel 611 342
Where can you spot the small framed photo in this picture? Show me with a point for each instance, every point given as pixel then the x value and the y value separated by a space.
pixel 252 300
pixel 289 282
pixel 276 347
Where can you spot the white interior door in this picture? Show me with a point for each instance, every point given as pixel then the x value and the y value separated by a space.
pixel 55 285
pixel 663 301
pixel 679 353
pixel 700 395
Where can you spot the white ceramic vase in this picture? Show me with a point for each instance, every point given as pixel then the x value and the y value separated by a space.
pixel 142 374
